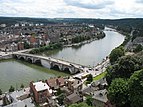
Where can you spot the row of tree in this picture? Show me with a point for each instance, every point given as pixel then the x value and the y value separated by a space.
pixel 78 39
pixel 46 48
pixel 12 89
pixel 81 38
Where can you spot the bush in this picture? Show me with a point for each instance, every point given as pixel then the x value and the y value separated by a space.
pixel 0 92
pixel 116 54
pixel 11 89
pixel 46 48
pixel 138 48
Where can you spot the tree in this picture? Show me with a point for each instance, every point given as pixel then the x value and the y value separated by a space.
pixel 61 99
pixel 80 105
pixel 59 91
pixel 136 89
pixel 125 67
pixel 26 45
pixel 116 54
pixel 138 48
pixel 11 89
pixel 22 86
pixel 5 101
pixel 89 78
pixel 89 100
pixel 110 75
pixel 118 92
pixel 0 92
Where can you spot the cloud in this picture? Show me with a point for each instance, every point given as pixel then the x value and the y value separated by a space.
pixel 90 4
pixel 72 8
pixel 139 1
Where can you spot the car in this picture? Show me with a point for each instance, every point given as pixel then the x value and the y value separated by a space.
pixel 96 69
pixel 71 64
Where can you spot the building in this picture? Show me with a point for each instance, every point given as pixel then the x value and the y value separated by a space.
pixel 20 45
pixel 55 83
pixel 3 25
pixel 20 98
pixel 73 98
pixel 74 84
pixel 40 92
pixel 100 99
pixel 33 41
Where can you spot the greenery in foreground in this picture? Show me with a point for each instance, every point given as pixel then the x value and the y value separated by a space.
pixel 127 92
pixel 125 79
pixel 80 105
pixel 138 48
pixel 116 54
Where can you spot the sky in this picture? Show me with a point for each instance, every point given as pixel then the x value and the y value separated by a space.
pixel 103 9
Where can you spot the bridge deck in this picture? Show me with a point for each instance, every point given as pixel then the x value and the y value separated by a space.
pixel 52 59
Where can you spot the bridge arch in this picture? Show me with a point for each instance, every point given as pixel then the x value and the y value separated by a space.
pixel 55 66
pixel 15 56
pixel 29 60
pixel 38 62
pixel 21 58
pixel 67 70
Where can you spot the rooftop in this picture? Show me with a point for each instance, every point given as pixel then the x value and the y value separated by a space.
pixel 101 95
pixel 75 97
pixel 40 86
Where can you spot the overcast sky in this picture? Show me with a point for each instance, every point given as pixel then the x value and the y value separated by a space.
pixel 104 9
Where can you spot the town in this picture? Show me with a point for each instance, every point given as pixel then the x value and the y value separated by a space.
pixel 26 35
pixel 24 41
pixel 56 91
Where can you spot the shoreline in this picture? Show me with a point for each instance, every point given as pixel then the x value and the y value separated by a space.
pixel 83 42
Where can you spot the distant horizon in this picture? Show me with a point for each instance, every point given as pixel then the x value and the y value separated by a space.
pixel 68 17
pixel 95 9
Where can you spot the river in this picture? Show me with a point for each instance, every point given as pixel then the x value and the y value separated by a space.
pixel 92 53
pixel 15 73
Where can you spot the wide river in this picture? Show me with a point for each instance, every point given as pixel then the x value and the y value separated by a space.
pixel 15 73
pixel 92 53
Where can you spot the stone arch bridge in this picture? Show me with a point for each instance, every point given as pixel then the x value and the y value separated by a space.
pixel 50 62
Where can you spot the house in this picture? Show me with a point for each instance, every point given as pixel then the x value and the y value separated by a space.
pixel 74 84
pixel 32 41
pixel 73 98
pixel 20 98
pixel 52 83
pixel 100 99
pixel 101 84
pixel 55 83
pixel 61 81
pixel 89 90
pixel 20 45
pixel 40 92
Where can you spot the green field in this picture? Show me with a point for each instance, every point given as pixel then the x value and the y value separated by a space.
pixel 98 77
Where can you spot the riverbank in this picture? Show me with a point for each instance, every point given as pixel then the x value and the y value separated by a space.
pixel 81 43
pixel 86 41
